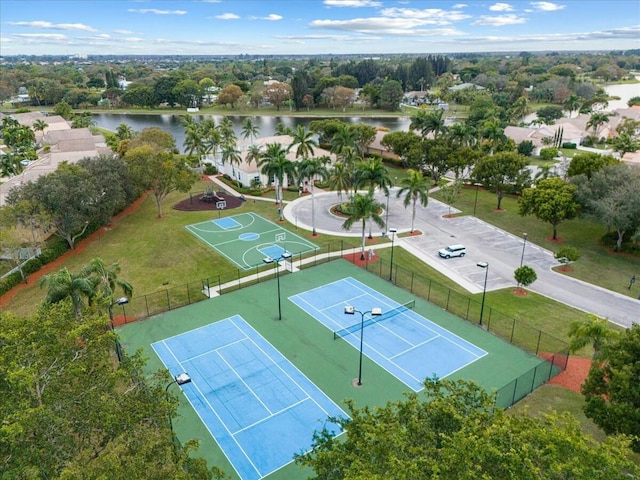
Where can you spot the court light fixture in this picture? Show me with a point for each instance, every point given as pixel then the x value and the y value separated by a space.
pixel 393 232
pixel 181 379
pixel 283 256
pixel 484 265
pixel 374 312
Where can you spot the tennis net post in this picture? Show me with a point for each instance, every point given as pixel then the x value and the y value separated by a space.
pixel 371 320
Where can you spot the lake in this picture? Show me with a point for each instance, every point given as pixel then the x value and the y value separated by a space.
pixel 624 91
pixel 266 125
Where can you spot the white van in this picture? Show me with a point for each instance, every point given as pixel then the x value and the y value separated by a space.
pixel 452 251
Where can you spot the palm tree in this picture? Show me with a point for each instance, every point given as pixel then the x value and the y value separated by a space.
pixel 416 186
pixel 493 133
pixel 427 122
pixel 104 279
pixel 193 140
pixel 572 104
pixel 230 154
pixel 595 332
pixel 275 165
pixel 340 178
pixel 520 108
pixel 253 154
pixel 373 173
pixel 345 137
pixel 63 284
pixel 249 129
pixel 462 135
pixel 39 125
pixel 303 138
pixel 363 208
pixel 124 132
pixel 312 168
pixel 596 120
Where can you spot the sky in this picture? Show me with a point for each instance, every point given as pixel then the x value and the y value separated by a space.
pixel 293 27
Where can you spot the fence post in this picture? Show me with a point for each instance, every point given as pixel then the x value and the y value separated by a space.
pixel 188 296
pixel 513 327
pixel 219 285
pixel 538 344
pixel 515 389
pixel 448 297
pixel 411 289
pixel 428 291
pixel 468 307
pixel 168 300
pixel 146 304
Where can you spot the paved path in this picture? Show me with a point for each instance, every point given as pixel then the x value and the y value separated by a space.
pixel 484 242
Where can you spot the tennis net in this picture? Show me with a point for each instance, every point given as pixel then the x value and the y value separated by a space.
pixel 371 320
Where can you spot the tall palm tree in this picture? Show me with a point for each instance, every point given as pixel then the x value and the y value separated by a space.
pixel 275 165
pixel 572 104
pixel 305 141
pixel 520 108
pixel 596 120
pixel 462 135
pixel 416 187
pixel 372 173
pixel 124 132
pixel 104 279
pixel 427 122
pixel 249 129
pixel 230 154
pixel 340 178
pixel 493 133
pixel 312 169
pixel 594 331
pixel 361 209
pixel 253 154
pixel 345 137
pixel 63 284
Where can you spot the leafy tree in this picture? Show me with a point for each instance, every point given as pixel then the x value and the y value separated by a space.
pixel 229 95
pixel 453 430
pixel 624 143
pixel 390 95
pixel 552 200
pixel 400 143
pixel 595 331
pixel 525 276
pixel 416 188
pixel 549 115
pixel 611 197
pixel 161 172
pixel 69 411
pixel 586 163
pixel 612 392
pixel 278 93
pixel 501 173
pixel 361 209
pixel 634 101
pixel 64 110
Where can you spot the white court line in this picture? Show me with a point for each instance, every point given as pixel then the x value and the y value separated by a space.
pixel 319 312
pixel 262 420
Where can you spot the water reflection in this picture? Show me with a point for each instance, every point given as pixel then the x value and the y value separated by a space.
pixel 266 125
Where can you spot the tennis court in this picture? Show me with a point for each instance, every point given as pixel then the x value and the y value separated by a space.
pixel 257 405
pixel 401 341
pixel 247 239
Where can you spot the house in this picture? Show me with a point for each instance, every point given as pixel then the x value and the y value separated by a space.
pixel 58 143
pixel 246 172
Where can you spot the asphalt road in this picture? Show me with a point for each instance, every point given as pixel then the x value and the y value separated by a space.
pixel 485 243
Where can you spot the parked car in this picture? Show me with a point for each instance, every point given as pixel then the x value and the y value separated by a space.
pixel 452 251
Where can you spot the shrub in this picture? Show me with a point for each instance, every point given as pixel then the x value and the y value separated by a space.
pixel 548 153
pixel 526 148
pixel 210 169
pixel 569 145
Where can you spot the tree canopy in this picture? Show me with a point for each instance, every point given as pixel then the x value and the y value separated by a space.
pixel 452 430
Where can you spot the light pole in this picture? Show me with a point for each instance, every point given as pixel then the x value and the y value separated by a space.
pixel 484 265
pixel 283 256
pixel 393 237
pixel 349 310
pixel 524 244
pixel 475 203
pixel 120 301
pixel 181 379
pixel 386 220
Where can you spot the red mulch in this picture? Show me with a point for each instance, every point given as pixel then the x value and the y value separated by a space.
pixel 81 246
pixel 575 374
pixel 355 258
pixel 196 204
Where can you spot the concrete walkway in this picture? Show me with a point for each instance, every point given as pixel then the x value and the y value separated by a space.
pixel 485 243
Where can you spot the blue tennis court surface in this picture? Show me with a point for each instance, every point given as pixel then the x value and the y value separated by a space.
pixel 257 405
pixel 407 345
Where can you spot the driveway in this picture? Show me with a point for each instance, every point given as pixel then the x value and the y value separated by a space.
pixel 485 243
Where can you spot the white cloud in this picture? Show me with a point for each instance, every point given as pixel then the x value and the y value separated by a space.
pixel 499 20
pixel 227 16
pixel 561 38
pixel 123 32
pixel 352 3
pixel 157 12
pixel 457 6
pixel 501 7
pixel 547 6
pixel 384 26
pixel 272 17
pixel 47 36
pixel 432 16
pixel 55 26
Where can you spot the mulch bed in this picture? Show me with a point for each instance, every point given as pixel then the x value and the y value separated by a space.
pixel 81 246
pixel 195 203
pixel 575 374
